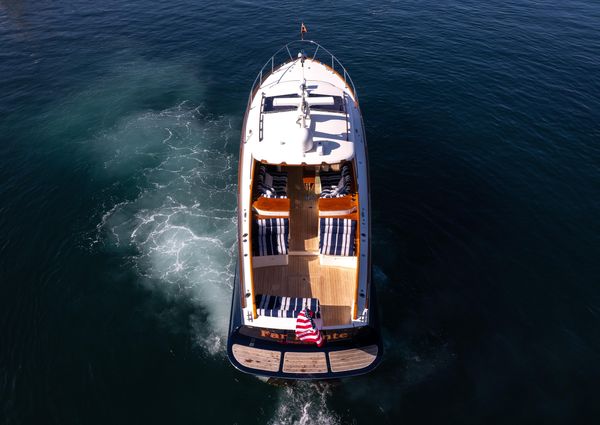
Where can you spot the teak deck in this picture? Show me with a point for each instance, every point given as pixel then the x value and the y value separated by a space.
pixel 304 218
pixel 304 276
pixel 304 362
pixel 257 358
pixel 353 359
pixel 299 363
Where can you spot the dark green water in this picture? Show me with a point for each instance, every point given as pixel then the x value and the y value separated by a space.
pixel 119 131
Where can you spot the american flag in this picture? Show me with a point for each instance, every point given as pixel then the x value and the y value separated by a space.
pixel 306 330
pixel 302 30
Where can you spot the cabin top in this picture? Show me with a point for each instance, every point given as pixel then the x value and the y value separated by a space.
pixel 276 132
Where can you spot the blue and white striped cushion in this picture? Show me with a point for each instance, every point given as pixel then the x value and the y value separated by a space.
pixel 275 306
pixel 336 184
pixel 276 189
pixel 337 236
pixel 270 236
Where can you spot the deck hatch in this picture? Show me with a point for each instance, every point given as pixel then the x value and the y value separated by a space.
pixel 318 102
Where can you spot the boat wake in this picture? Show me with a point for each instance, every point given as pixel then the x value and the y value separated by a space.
pixel 304 403
pixel 178 230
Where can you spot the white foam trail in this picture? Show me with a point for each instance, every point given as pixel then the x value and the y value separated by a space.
pixel 304 403
pixel 181 224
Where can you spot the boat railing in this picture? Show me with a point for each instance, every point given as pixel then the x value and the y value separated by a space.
pixel 275 62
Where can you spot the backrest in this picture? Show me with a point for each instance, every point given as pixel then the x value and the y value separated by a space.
pixel 335 184
pixel 269 182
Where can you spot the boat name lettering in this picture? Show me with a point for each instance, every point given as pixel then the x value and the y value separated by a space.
pixel 265 333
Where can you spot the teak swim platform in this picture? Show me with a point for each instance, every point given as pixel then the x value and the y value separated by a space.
pixel 303 223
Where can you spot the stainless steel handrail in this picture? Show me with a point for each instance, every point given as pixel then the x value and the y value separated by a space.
pixel 259 78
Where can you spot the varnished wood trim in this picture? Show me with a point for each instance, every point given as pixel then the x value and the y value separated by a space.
pixel 240 210
pixel 272 205
pixel 254 313
pixel 344 203
pixel 358 253
pixel 353 216
pixel 348 86
pixel 263 217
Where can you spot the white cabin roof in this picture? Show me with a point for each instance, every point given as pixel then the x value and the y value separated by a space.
pixel 274 136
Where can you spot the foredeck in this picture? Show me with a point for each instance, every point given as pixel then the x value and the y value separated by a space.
pixel 304 276
pixel 270 136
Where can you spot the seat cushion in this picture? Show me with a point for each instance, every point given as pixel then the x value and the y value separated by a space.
pixel 336 184
pixel 276 306
pixel 270 236
pixel 337 236
pixel 270 183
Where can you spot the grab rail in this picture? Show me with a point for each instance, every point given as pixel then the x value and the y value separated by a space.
pixel 261 74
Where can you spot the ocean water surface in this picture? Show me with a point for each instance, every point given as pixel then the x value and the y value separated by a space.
pixel 119 136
